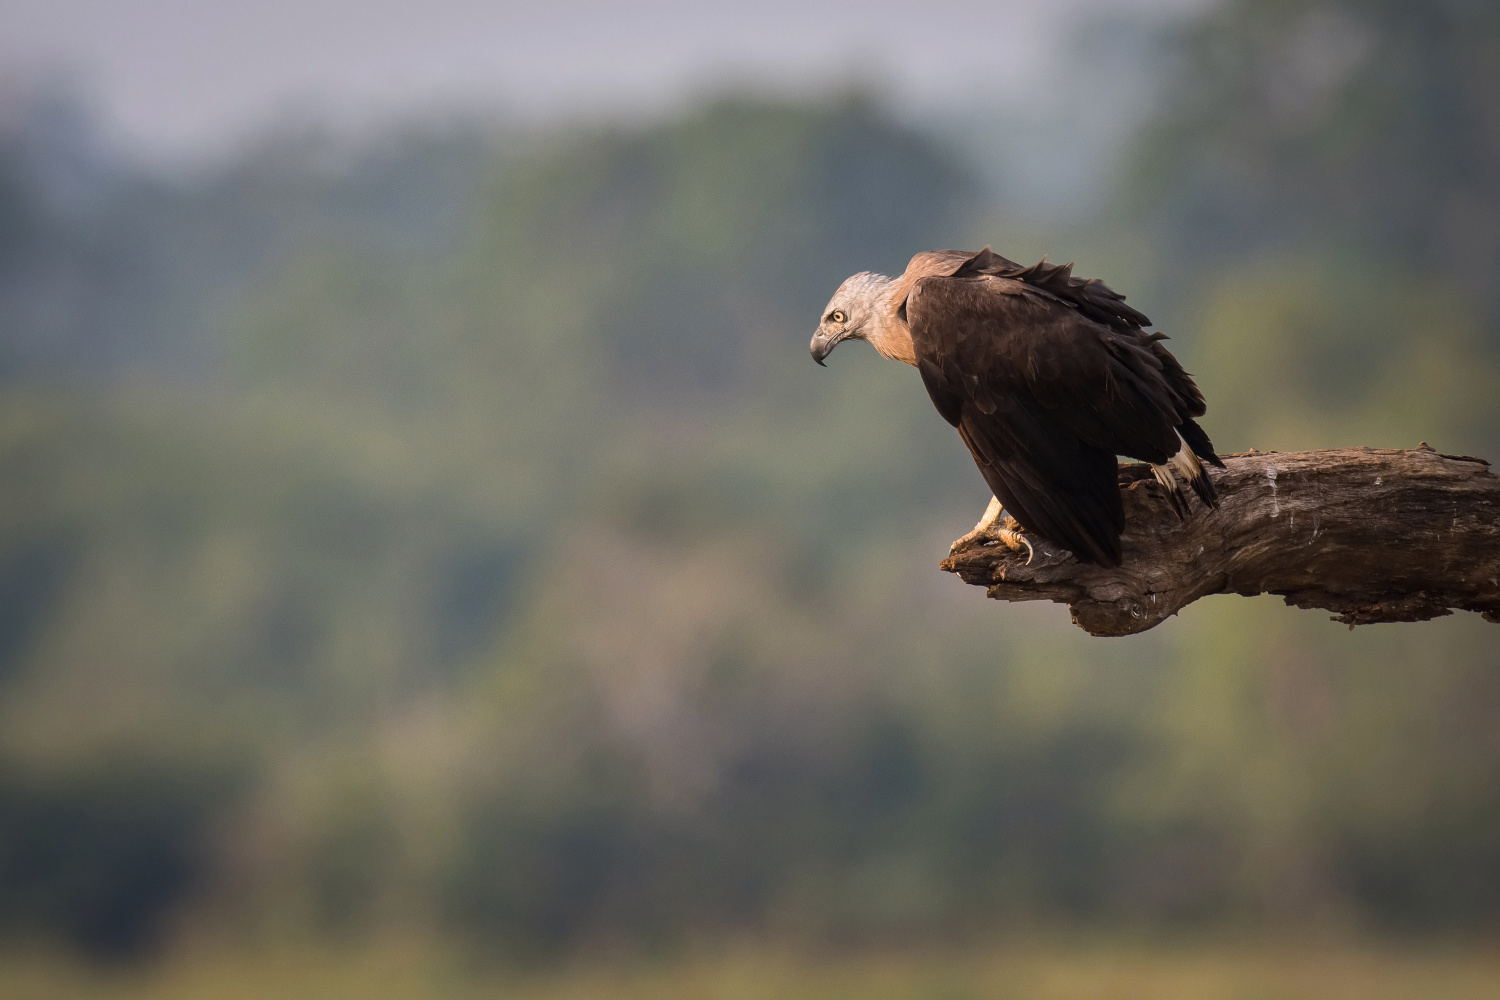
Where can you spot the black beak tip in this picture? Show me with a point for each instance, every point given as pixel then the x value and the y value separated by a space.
pixel 821 347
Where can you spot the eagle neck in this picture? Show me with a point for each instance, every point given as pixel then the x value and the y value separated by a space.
pixel 888 332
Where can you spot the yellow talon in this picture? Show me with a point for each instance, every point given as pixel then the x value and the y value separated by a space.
pixel 995 526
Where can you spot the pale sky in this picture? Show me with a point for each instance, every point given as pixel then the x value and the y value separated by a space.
pixel 174 77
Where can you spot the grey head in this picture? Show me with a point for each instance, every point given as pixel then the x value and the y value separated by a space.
pixel 856 312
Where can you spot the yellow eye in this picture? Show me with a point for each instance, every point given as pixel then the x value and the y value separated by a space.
pixel 837 316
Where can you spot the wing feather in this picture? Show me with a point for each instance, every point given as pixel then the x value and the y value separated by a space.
pixel 1045 395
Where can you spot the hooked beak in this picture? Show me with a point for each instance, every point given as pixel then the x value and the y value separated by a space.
pixel 823 345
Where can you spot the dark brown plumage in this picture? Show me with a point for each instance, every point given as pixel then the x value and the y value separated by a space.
pixel 1047 378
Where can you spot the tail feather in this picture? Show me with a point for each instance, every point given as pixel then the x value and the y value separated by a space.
pixel 1197 440
pixel 1187 462
pixel 1163 476
pixel 1204 487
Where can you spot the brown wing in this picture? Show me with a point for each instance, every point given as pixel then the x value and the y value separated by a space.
pixel 1092 297
pixel 1045 397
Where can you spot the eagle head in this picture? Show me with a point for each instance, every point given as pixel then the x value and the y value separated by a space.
pixel 851 314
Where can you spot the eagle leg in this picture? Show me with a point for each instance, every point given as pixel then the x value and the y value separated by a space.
pixel 995 526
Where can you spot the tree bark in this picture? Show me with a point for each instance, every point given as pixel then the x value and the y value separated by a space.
pixel 1373 535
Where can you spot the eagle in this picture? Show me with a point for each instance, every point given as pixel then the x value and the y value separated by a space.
pixel 1047 377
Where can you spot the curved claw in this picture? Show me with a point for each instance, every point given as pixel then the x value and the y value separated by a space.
pixel 988 534
pixel 1014 540
pixel 995 526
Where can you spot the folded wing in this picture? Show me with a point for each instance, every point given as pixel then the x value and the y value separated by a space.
pixel 1046 385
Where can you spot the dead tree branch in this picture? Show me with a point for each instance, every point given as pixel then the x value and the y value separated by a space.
pixel 1373 535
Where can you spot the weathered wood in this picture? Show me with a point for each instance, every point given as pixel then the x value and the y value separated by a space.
pixel 1373 535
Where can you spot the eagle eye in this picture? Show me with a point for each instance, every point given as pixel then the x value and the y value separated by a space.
pixel 837 316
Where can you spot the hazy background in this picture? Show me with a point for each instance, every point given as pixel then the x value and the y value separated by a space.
pixel 423 533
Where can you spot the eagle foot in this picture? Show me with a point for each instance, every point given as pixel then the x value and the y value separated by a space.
pixel 995 526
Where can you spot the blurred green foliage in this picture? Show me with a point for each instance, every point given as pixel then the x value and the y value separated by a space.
pixel 1365 125
pixel 457 537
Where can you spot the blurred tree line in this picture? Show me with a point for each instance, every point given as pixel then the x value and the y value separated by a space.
pixel 451 534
